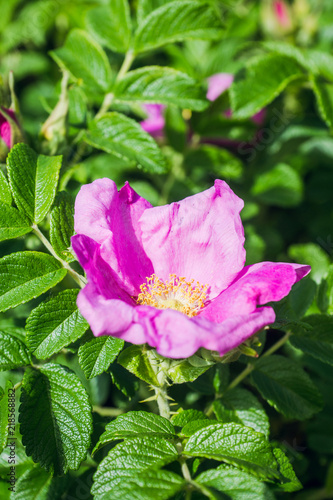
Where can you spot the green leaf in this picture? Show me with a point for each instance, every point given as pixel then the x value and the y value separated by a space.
pixel 85 59
pixel 242 407
pixel 96 355
pixel 55 324
pixel 13 352
pixel 175 21
pixel 193 427
pixel 287 471
pixel 175 128
pixel 125 381
pixel 156 84
pixel 55 418
pixel 281 186
pixel 317 339
pixel 236 445
pixel 261 82
pixel 123 137
pixel 62 225
pixel 287 387
pixel 136 424
pixel 120 474
pixel 37 484
pixel 33 180
pixel 111 25
pixel 5 194
pixel 12 223
pixel 26 275
pixel 312 255
pixel 136 361
pixel 324 95
pixel 7 403
pixel 145 7
pixel 188 370
pixel 325 293
pixel 214 160
pixel 184 417
pixel 236 484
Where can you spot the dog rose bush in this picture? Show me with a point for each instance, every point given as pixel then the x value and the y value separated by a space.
pixel 166 274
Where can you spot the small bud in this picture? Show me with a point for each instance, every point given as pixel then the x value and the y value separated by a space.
pixel 10 131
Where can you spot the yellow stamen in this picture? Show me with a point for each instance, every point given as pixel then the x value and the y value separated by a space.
pixel 176 293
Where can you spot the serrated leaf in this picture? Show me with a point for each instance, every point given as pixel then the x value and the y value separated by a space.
pixel 13 352
pixel 284 384
pixel 287 471
pixel 37 484
pixel 242 407
pixel 236 484
pixel 55 324
pixel 33 180
pixel 136 424
pixel 317 339
pixel 236 445
pixel 5 194
pixel 260 82
pixel 55 418
pixel 324 95
pixel 85 59
pixel 4 412
pixel 96 355
pixel 136 361
pixel 193 427
pixel 111 25
pixel 26 275
pixel 156 84
pixel 188 370
pixel 184 417
pixel 124 464
pixel 125 381
pixel 177 21
pixel 12 223
pixel 62 225
pixel 123 137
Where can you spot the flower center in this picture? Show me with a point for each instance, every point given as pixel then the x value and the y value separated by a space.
pixel 176 293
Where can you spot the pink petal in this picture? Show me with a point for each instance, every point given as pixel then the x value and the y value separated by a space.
pixel 178 336
pixel 200 237
pixel 217 84
pixel 256 285
pixel 155 122
pixel 5 127
pixel 111 219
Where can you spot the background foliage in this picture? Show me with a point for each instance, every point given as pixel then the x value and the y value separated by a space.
pixel 82 71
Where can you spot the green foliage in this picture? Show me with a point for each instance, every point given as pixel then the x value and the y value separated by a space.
pixel 55 324
pixel 315 338
pixel 62 225
pixel 37 484
pixel 12 223
pixel 33 180
pixel 284 384
pixel 6 395
pixel 25 275
pixel 123 137
pixel 13 352
pixel 111 25
pixel 177 21
pixel 138 363
pixel 155 84
pixel 94 68
pixel 5 194
pixel 96 355
pixel 55 435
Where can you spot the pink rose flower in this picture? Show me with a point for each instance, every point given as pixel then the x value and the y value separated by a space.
pixel 155 122
pixel 282 13
pixel 6 132
pixel 173 276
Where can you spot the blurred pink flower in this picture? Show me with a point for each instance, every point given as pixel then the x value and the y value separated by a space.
pixel 155 122
pixel 6 130
pixel 173 276
pixel 282 13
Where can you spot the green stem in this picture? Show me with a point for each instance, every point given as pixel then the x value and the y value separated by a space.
pixel 108 412
pixel 160 367
pixel 17 386
pixel 108 99
pixel 80 280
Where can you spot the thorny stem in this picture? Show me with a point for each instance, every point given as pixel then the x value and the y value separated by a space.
pixel 160 367
pixel 250 367
pixel 80 280
pixel 108 412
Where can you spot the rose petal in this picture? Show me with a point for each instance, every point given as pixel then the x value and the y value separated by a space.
pixel 155 122
pixel 200 238
pixel 217 84
pixel 256 285
pixel 178 336
pixel 111 219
